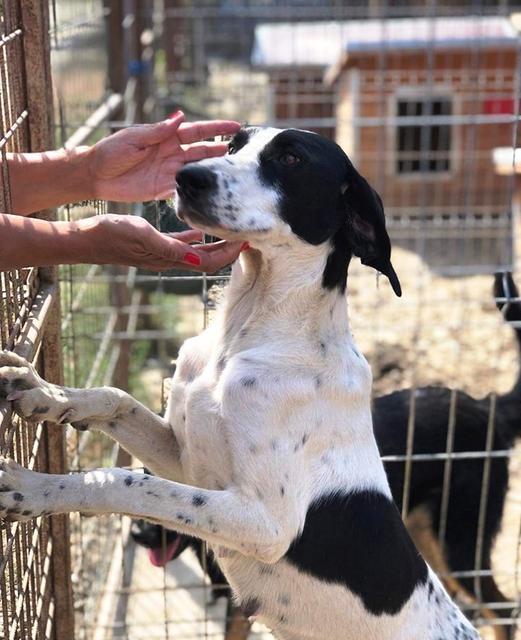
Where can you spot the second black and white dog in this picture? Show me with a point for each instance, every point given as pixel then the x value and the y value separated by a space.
pixel 267 450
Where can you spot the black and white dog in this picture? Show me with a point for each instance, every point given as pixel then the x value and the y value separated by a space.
pixel 267 448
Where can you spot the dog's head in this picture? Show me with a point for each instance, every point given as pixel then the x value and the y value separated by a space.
pixel 292 184
pixel 163 544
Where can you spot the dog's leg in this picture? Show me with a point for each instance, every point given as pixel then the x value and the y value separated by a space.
pixel 228 518
pixel 111 411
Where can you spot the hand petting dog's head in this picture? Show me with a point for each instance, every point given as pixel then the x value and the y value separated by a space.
pixel 293 186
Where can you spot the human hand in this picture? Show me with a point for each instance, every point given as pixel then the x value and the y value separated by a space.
pixel 140 162
pixel 132 241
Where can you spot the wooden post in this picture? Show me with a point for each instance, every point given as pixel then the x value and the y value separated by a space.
pixel 35 20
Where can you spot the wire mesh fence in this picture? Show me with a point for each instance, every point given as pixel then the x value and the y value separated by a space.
pixel 424 97
pixel 33 554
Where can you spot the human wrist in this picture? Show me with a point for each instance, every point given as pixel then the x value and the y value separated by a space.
pixel 88 241
pixel 78 170
pixel 56 177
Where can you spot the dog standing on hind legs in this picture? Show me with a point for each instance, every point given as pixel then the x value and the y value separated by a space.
pixel 266 450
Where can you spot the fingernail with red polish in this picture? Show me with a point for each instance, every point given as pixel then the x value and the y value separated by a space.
pixel 245 246
pixel 192 258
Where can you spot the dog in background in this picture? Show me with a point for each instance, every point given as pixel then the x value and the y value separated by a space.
pixel 267 450
pixel 457 551
pixel 165 545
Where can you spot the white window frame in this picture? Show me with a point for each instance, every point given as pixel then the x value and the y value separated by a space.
pixel 422 92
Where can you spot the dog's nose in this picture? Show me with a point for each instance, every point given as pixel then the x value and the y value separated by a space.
pixel 194 180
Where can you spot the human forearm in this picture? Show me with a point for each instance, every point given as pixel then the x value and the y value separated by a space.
pixel 48 179
pixel 28 242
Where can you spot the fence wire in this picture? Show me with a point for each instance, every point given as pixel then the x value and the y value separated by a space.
pixel 432 127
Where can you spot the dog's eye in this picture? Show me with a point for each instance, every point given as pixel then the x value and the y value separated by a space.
pixel 289 159
pixel 231 148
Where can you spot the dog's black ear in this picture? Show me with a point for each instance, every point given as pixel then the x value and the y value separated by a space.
pixel 366 232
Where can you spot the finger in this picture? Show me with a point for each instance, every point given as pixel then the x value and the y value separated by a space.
pixel 190 235
pixel 195 131
pixel 201 150
pixel 219 258
pixel 148 134
pixel 210 247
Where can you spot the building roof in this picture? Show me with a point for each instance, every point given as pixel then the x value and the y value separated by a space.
pixel 323 43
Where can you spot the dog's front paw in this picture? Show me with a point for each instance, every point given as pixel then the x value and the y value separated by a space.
pixel 18 492
pixel 16 373
pixel 31 397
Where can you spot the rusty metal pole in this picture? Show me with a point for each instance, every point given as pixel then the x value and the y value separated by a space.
pixel 36 42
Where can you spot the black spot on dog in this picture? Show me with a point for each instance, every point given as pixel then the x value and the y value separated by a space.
pixel 153 494
pixel 284 600
pixel 221 363
pixel 243 332
pixel 82 425
pixel 335 273
pixel 318 382
pixel 323 348
pixel 250 381
pixel 40 410
pixel 305 438
pixel 274 444
pixel 46 493
pixel 129 481
pixel 22 384
pixel 112 423
pixel 198 500
pixel 18 497
pixel 184 518
pixel 250 607
pixel 133 411
pixel 364 546
pixel 61 486
pixel 27 512
pixel 282 490
pixel 253 448
pixel 240 140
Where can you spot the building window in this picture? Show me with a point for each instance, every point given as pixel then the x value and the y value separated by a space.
pixel 424 147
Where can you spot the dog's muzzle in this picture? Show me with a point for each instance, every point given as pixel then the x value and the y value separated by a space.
pixel 195 187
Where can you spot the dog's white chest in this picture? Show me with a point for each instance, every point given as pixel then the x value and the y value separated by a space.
pixel 195 415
